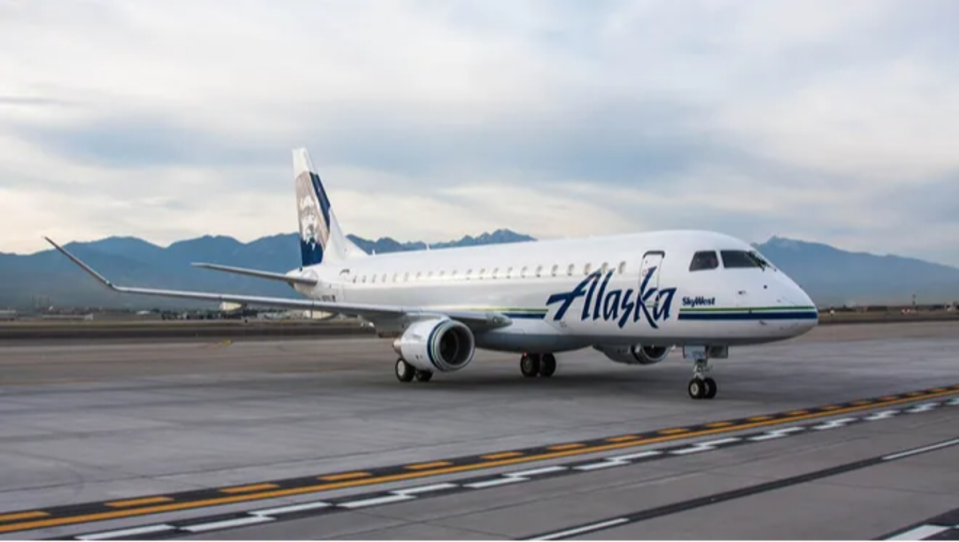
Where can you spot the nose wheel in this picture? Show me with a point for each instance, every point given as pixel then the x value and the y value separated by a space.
pixel 701 386
pixel 533 365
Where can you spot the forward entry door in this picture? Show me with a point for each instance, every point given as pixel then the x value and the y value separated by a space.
pixel 652 263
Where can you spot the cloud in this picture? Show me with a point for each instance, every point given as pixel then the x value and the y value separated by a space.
pixel 432 119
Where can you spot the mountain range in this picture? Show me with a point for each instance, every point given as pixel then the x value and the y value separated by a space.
pixel 833 277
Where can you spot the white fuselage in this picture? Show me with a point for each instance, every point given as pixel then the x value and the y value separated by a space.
pixel 557 300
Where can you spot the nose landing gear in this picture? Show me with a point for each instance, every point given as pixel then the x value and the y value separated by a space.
pixel 701 386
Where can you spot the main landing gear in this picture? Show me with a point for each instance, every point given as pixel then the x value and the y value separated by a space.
pixel 406 372
pixel 532 365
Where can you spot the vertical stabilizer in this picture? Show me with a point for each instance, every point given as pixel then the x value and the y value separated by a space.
pixel 321 238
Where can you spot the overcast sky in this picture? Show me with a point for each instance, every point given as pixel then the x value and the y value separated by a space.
pixel 819 120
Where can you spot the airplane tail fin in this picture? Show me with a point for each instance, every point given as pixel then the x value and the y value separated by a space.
pixel 321 238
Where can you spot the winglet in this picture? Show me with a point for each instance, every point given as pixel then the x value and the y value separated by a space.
pixel 82 265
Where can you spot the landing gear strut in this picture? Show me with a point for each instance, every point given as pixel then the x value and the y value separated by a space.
pixel 406 372
pixel 700 386
pixel 532 365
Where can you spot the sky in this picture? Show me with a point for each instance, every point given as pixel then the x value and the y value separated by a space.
pixel 835 122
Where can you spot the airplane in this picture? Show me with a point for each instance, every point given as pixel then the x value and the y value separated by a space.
pixel 633 297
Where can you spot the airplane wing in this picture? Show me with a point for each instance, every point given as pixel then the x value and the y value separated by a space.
pixel 474 319
pixel 291 279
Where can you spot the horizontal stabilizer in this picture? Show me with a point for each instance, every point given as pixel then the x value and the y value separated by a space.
pixel 291 279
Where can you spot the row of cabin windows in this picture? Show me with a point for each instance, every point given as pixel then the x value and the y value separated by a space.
pixel 732 259
pixel 481 274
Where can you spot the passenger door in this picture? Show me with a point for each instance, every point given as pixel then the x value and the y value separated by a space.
pixel 652 263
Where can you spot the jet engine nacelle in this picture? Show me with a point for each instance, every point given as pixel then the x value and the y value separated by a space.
pixel 442 345
pixel 634 354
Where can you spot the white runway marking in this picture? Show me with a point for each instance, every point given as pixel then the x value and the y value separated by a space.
pixel 920 533
pixel 495 482
pixel 291 509
pixel 424 489
pixel 922 408
pixel 924 449
pixel 584 529
pixel 776 433
pixel 376 501
pixel 833 424
pixel 126 533
pixel 881 415
pixel 705 446
pixel 239 522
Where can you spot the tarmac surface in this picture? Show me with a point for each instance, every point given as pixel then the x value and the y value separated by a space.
pixel 811 438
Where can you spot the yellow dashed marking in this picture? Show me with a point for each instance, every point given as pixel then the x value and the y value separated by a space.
pixel 831 407
pixel 674 431
pixel 719 424
pixel 939 390
pixel 347 476
pixel 23 515
pixel 504 455
pixel 857 403
pixel 760 418
pixel 248 489
pixel 572 446
pixel 889 398
pixel 139 502
pixel 624 438
pixel 915 393
pixel 797 413
pixel 433 465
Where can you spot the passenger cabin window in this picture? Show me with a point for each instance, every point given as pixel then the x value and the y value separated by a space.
pixel 704 260
pixel 555 270
pixel 570 270
pixel 622 268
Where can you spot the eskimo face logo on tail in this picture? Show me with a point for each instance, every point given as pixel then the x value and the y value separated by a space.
pixel 649 303
pixel 314 226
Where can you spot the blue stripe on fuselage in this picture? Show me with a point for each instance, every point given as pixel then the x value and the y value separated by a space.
pixel 759 315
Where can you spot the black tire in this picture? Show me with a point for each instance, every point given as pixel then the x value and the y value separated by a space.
pixel 711 388
pixel 547 365
pixel 424 376
pixel 696 388
pixel 404 371
pixel 529 365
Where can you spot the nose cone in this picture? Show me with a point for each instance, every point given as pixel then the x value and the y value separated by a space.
pixel 805 309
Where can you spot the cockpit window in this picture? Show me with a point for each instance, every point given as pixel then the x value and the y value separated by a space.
pixel 740 259
pixel 703 260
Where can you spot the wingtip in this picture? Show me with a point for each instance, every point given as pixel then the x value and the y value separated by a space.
pixel 53 243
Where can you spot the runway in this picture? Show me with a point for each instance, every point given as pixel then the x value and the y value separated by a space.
pixel 317 439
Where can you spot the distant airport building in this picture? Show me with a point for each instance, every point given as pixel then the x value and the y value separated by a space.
pixel 8 315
